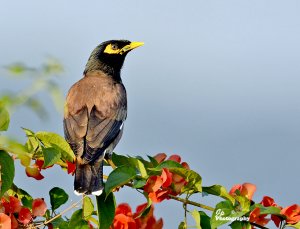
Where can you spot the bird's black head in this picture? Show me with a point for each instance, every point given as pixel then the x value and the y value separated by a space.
pixel 109 56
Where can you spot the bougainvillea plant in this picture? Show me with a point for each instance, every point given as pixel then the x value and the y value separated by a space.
pixel 158 178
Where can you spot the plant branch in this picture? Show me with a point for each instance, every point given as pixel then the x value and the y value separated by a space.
pixel 185 201
pixel 63 212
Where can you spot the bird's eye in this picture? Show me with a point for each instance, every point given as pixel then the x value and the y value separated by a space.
pixel 114 47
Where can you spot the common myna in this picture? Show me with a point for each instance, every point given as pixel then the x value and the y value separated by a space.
pixel 95 111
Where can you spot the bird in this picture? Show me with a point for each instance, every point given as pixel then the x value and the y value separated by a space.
pixel 94 113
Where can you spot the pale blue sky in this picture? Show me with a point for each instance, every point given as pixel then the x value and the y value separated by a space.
pixel 216 82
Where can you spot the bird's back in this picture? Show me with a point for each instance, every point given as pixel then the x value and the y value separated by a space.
pixel 96 105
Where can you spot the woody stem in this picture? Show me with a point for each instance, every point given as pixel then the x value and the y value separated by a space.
pixel 186 201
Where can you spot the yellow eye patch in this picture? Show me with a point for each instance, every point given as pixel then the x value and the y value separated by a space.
pixel 109 50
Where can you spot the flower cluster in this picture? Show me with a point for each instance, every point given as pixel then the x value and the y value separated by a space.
pixel 34 170
pixel 126 219
pixel 290 214
pixel 160 186
pixel 13 214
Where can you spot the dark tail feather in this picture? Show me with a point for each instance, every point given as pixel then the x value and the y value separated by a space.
pixel 89 178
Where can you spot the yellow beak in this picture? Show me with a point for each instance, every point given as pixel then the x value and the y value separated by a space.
pixel 132 45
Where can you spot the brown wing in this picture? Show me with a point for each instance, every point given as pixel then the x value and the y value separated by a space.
pixel 95 112
pixel 75 127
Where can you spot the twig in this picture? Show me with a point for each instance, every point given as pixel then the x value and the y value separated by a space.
pixel 63 212
pixel 259 226
pixel 185 201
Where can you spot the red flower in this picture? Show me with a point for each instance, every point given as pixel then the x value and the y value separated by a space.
pixel 71 167
pixel 256 217
pixel 158 196
pixel 14 222
pixel 160 157
pixel 5 221
pixel 185 165
pixel 35 169
pixel 269 202
pixel 178 186
pixel 175 157
pixel 12 206
pixel 34 172
pixel 178 180
pixel 159 187
pixel 25 216
pixel 166 177
pixel 245 189
pixel 156 186
pixel 39 164
pixel 39 207
pixel 148 221
pixel 123 218
pixel 292 213
pixel 153 184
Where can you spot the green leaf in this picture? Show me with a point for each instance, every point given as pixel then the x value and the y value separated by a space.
pixel 197 218
pixel 119 177
pixel 168 164
pixel 28 132
pixel 153 161
pixel 147 208
pixel 120 160
pixel 15 147
pixel 140 166
pixel 77 222
pixel 269 210
pixel 106 206
pixel 243 204
pixel 57 197
pixel 50 139
pixel 194 179
pixel 17 68
pixel 62 225
pixel 88 207
pixel 225 212
pixel 240 225
pixel 51 156
pixel 147 164
pixel 27 202
pixel 205 220
pixel 4 119
pixel 182 225
pixel 139 183
pixel 7 172
pixel 218 190
pixel 22 194
pixel 58 223
pixel 32 143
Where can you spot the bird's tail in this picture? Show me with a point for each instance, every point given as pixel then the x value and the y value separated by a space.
pixel 89 179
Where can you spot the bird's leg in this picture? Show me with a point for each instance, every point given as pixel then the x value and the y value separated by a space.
pixel 108 159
